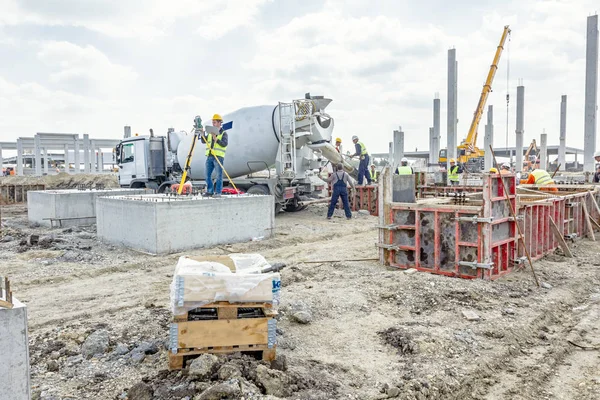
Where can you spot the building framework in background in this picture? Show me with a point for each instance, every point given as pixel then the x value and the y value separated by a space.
pixel 59 152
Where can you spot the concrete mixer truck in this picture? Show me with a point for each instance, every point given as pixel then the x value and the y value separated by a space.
pixel 274 149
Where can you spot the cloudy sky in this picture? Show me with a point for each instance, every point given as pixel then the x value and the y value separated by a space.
pixel 93 66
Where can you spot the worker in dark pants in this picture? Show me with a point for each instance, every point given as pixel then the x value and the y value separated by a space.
pixel 363 167
pixel 216 145
pixel 597 174
pixel 340 181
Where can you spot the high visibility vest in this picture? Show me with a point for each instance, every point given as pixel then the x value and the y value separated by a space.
pixel 453 175
pixel 373 174
pixel 404 170
pixel 363 149
pixel 217 150
pixel 542 177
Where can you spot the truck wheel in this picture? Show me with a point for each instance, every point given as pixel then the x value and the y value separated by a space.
pixel 258 189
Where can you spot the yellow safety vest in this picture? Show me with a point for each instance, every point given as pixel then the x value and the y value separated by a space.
pixel 453 175
pixel 217 150
pixel 542 177
pixel 363 149
pixel 404 170
pixel 373 175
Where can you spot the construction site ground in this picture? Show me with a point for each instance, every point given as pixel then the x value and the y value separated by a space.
pixel 368 332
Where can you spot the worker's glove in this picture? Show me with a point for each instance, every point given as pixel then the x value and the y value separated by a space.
pixel 362 157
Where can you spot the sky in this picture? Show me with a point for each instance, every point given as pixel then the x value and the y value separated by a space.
pixel 94 66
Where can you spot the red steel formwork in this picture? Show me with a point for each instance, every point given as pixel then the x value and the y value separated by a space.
pixel 363 198
pixel 567 209
pixel 464 237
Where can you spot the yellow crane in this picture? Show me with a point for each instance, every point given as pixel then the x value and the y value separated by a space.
pixel 468 150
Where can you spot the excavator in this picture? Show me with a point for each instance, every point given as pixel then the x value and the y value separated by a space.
pixel 468 153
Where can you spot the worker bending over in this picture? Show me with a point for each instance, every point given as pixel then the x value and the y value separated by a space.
pixel 216 145
pixel 454 172
pixel 340 181
pixel 363 167
pixel 493 170
pixel 404 169
pixel 373 173
pixel 542 179
pixel 597 174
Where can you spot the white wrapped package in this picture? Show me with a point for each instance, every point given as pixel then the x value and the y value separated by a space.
pixel 235 278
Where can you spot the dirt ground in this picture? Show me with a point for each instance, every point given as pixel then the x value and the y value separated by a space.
pixel 375 332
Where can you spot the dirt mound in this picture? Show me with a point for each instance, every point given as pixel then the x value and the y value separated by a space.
pixel 399 339
pixel 63 180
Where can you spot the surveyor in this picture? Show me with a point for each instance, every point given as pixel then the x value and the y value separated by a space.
pixel 338 145
pixel 404 169
pixel 453 172
pixel 542 179
pixel 373 173
pixel 216 145
pixel 363 167
pixel 505 169
pixel 340 181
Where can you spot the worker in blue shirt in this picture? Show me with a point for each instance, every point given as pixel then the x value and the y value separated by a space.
pixel 363 167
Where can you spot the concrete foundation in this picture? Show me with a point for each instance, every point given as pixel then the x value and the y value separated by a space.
pixel 14 353
pixel 68 207
pixel 161 224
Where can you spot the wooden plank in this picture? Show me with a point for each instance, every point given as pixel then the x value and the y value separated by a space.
pixel 590 230
pixel 222 332
pixel 5 304
pixel 561 240
pixel 596 224
pixel 227 312
pixel 595 203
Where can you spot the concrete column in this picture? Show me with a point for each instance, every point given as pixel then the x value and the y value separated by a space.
pixel 38 156
pixel 544 151
pixel 14 347
pixel 562 147
pixel 398 146
pixel 520 124
pixel 127 132
pixel 391 153
pixel 1 160
pixel 93 157
pixel 19 157
pixel 86 153
pixel 452 105
pixel 488 139
pixel 436 130
pixel 66 157
pixel 432 156
pixel 76 163
pixel 591 94
pixel 100 161
pixel 45 164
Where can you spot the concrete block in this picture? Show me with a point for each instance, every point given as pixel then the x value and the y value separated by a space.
pixel 69 203
pixel 14 353
pixel 162 224
pixel 403 189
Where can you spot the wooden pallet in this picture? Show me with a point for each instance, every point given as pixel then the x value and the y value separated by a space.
pixel 227 330
pixel 178 361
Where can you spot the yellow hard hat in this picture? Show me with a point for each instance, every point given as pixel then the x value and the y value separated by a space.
pixel 493 170
pixel 337 139
pixel 453 160
pixel 217 117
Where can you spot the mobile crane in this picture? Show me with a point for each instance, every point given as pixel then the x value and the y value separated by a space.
pixel 468 152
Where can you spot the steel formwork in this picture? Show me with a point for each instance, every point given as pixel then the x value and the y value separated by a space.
pixel 363 198
pixel 474 235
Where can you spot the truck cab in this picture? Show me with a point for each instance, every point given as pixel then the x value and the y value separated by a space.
pixel 142 162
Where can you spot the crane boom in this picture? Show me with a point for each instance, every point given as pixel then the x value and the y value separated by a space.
pixel 471 140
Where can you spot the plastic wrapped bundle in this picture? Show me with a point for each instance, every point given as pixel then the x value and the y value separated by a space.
pixel 236 278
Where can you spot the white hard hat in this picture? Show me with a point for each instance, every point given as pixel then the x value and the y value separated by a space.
pixel 505 165
pixel 597 154
pixel 404 159
pixel 354 137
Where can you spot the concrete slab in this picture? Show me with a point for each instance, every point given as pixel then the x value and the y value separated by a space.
pixel 14 353
pixel 162 224
pixel 76 207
